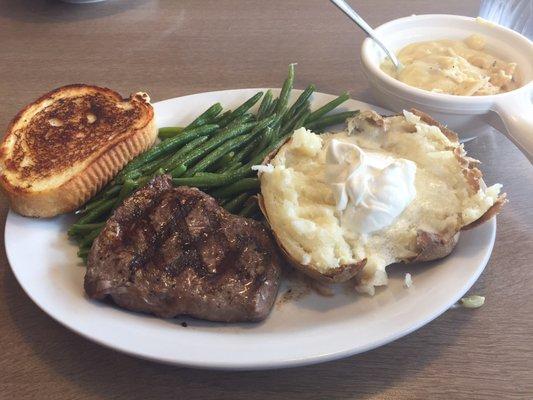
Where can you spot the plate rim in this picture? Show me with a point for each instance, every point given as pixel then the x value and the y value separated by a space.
pixel 287 362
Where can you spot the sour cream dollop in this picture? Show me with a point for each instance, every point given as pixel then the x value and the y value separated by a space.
pixel 371 188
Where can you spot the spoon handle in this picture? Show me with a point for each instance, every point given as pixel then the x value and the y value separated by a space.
pixel 349 11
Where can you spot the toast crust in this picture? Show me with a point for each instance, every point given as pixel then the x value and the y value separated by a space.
pixel 71 177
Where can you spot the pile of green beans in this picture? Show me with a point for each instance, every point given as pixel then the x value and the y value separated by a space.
pixel 215 152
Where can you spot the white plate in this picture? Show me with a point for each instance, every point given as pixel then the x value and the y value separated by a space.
pixel 308 330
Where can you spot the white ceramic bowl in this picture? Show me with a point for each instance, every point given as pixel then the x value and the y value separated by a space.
pixel 515 107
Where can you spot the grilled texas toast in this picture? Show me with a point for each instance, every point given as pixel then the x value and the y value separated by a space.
pixel 61 149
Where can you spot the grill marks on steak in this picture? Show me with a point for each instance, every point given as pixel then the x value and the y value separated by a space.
pixel 175 251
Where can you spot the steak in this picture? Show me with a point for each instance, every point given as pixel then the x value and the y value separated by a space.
pixel 174 251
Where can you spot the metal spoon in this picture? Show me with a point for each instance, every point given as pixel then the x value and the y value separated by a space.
pixel 349 11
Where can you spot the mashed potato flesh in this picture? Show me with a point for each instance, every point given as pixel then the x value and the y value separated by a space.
pixel 454 67
pixel 302 209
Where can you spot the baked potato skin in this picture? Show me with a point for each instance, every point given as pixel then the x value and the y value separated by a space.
pixel 433 246
pixel 491 212
pixel 430 246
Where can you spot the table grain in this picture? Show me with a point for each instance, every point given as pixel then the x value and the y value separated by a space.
pixel 173 48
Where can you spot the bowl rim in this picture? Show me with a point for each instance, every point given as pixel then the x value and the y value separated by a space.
pixel 402 89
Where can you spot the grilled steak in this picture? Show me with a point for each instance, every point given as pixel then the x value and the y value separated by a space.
pixel 175 251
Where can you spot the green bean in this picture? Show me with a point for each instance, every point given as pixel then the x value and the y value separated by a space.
pixel 266 137
pixel 297 119
pixel 281 106
pixel 148 168
pixel 97 212
pixel 245 152
pixel 110 190
pixel 169 131
pixel 143 180
pixel 167 145
pixel 328 107
pixel 258 159
pixel 223 161
pixel 287 125
pixel 127 189
pixel 300 102
pixel 328 120
pixel 204 173
pixel 91 206
pixel 215 141
pixel 252 146
pixel 249 209
pixel 242 109
pixel 214 180
pixel 241 119
pixel 247 105
pixel 265 123
pixel 89 238
pixel 83 252
pixel 103 207
pixel 257 215
pixel 272 107
pixel 265 105
pixel 301 120
pixel 178 171
pixel 230 167
pixel 147 177
pixel 219 152
pixel 206 117
pixel 244 185
pixel 76 229
pixel 135 174
pixel 275 130
pixel 233 205
pixel 172 161
pixel 222 117
pixel 226 178
pixel 155 166
pixel 235 166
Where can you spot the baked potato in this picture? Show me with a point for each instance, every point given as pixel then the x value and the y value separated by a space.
pixel 300 201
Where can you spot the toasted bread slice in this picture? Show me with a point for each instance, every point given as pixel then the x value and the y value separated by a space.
pixel 63 148
pixel 299 204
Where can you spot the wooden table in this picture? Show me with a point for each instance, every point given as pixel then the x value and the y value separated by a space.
pixel 172 48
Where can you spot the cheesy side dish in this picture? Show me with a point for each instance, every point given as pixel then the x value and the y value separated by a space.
pixel 456 67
